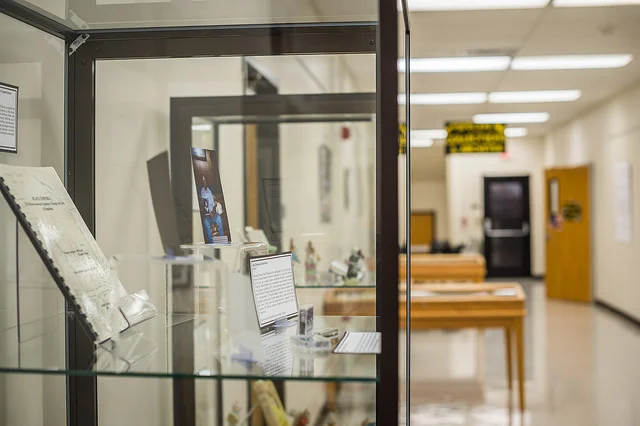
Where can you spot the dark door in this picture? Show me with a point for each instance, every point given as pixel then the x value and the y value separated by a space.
pixel 507 231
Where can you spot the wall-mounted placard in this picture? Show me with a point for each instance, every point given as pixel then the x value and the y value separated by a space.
pixel 467 138
pixel 274 292
pixel 8 118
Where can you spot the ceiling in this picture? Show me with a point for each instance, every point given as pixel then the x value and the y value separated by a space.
pixel 547 31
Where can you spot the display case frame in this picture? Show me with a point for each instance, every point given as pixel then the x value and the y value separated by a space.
pixel 379 37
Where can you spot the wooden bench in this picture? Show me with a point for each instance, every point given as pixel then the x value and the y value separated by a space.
pixel 444 268
pixel 452 306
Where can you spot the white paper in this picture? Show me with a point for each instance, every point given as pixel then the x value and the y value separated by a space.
pixel 623 203
pixel 8 118
pixel 359 343
pixel 273 287
pixel 58 225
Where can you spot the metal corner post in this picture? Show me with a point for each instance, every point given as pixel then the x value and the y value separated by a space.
pixel 387 298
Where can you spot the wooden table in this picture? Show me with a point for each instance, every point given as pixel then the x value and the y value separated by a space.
pixel 444 267
pixel 453 306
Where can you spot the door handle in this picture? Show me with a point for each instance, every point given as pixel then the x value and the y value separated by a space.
pixel 505 233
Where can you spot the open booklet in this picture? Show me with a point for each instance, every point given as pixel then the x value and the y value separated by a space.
pixel 70 253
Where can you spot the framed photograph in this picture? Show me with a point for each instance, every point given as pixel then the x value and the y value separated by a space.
pixel 213 210
pixel 8 118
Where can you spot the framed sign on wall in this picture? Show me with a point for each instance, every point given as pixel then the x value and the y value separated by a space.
pixel 8 118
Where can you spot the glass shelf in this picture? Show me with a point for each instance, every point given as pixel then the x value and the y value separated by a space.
pixel 187 349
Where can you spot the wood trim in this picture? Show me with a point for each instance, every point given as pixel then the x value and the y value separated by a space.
pixel 251 163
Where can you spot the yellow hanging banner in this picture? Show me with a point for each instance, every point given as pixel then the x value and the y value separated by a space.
pixel 466 138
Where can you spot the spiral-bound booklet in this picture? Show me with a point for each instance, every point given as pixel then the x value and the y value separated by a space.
pixel 70 253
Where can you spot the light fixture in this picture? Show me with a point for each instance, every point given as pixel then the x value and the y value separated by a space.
pixel 429 134
pixel 509 118
pixel 570 62
pixel 589 3
pixel 516 132
pixel 461 64
pixel 430 5
pixel 444 98
pixel 201 127
pixel 534 96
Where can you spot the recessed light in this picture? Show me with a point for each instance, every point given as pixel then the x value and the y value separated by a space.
pixel 589 3
pixel 202 127
pixel 428 5
pixel 570 62
pixel 444 98
pixel 534 96
pixel 516 132
pixel 461 64
pixel 509 118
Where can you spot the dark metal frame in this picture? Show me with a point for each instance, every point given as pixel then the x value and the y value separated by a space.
pixel 378 37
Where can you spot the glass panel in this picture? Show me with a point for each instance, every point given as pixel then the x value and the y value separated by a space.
pixel 34 62
pixel 102 14
pixel 554 198
pixel 506 205
pixel 272 122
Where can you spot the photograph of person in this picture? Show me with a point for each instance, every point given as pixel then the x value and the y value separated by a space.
pixel 213 212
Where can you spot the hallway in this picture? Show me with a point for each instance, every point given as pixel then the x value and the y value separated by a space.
pixel 580 368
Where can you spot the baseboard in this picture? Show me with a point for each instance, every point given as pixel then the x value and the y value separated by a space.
pixel 537 277
pixel 617 312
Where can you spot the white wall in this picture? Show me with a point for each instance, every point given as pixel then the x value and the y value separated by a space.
pixel 604 137
pixel 432 195
pixel 465 174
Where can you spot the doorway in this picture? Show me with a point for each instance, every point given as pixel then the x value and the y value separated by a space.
pixel 423 230
pixel 507 231
pixel 568 219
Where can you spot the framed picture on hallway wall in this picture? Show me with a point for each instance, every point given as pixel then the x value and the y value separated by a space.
pixel 324 158
pixel 213 210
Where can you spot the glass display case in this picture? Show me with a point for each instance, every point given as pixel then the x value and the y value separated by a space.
pixel 299 101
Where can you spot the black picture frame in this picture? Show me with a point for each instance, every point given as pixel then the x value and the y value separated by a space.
pixel 17 93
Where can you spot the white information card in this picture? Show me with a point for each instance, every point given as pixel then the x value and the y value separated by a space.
pixel 8 118
pixel 274 292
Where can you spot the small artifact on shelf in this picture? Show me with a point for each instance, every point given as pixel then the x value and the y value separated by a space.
pixel 301 418
pixel 357 270
pixel 234 416
pixel 311 264
pixel 305 322
pixel 265 394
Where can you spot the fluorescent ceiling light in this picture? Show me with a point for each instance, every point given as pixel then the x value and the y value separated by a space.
pixel 429 134
pixel 508 118
pixel 515 132
pixel 444 98
pixel 461 64
pixel 587 3
pixel 534 96
pixel 202 127
pixel 570 62
pixel 425 5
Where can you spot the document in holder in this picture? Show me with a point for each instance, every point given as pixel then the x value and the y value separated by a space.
pixel 359 343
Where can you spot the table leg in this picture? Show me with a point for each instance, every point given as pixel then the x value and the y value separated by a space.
pixel 508 343
pixel 520 360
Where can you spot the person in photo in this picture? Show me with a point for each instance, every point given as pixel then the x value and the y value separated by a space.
pixel 211 211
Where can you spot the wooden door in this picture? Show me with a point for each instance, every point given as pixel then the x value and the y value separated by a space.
pixel 568 227
pixel 422 228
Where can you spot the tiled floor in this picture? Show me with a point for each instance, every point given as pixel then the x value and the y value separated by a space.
pixel 581 367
